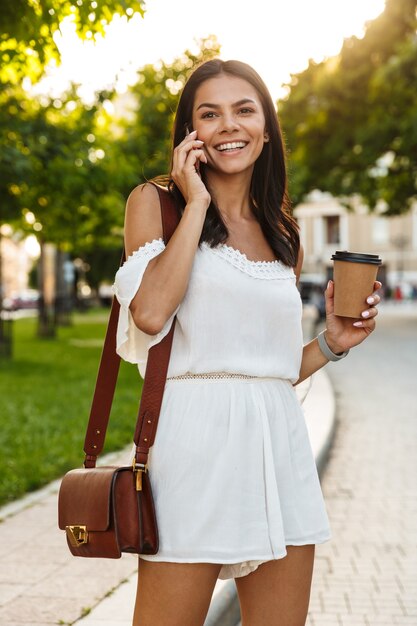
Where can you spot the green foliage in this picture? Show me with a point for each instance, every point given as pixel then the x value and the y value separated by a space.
pixel 53 167
pixel 27 30
pixel 148 135
pixel 45 397
pixel 350 121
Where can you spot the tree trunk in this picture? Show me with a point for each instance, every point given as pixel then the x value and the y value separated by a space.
pixel 64 289
pixel 47 291
pixel 5 320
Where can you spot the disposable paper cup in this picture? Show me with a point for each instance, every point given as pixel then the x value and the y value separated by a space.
pixel 354 275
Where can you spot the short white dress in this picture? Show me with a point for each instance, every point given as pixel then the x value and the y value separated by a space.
pixel 232 470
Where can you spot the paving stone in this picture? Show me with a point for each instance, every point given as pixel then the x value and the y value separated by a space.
pixel 8 546
pixel 13 623
pixel 31 610
pixel 26 572
pixel 99 622
pixel 353 620
pixel 117 607
pixel 379 620
pixel 64 586
pixel 9 592
pixel 31 554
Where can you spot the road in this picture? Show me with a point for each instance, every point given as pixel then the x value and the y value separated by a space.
pixel 367 574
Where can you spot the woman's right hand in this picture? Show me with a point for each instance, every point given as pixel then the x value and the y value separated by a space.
pixel 186 161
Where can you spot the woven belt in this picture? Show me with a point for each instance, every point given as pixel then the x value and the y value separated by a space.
pixel 213 376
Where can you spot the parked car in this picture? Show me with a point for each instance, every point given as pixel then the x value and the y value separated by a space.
pixel 27 299
pixel 105 294
pixel 312 287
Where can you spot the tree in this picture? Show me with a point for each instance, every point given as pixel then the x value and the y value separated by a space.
pixel 27 30
pixel 350 120
pixel 55 184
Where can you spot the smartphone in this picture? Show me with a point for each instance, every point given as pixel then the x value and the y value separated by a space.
pixel 197 167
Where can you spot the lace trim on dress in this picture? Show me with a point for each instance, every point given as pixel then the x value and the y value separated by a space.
pixel 145 253
pixel 256 269
pixel 148 250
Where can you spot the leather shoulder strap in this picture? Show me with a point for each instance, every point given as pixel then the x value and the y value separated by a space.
pixel 158 358
pixel 156 370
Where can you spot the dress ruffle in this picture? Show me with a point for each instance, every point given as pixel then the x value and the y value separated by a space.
pixel 132 344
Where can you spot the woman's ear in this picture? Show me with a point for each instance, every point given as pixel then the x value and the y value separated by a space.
pixel 266 136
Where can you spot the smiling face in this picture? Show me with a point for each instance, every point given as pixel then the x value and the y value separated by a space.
pixel 229 118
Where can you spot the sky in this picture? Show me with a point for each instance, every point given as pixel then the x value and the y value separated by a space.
pixel 276 38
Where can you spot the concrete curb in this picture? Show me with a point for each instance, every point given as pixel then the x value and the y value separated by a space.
pixel 320 413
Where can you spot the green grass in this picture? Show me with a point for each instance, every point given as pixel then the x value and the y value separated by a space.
pixel 45 396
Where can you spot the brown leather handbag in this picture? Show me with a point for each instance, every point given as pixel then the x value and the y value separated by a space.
pixel 109 510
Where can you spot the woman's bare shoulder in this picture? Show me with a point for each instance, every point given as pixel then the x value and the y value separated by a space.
pixel 143 221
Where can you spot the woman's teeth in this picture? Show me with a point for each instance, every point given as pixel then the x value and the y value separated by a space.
pixel 231 146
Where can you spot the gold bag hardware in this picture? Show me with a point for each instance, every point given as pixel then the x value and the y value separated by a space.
pixel 77 535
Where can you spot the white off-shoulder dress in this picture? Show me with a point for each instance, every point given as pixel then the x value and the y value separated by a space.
pixel 232 470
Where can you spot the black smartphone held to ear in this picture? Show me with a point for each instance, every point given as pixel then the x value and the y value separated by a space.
pixel 197 166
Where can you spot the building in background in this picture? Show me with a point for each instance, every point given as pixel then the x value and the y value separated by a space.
pixel 16 265
pixel 326 225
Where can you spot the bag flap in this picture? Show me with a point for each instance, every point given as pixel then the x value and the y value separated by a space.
pixel 85 498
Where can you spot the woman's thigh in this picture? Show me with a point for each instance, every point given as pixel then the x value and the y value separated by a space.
pixel 174 594
pixel 278 592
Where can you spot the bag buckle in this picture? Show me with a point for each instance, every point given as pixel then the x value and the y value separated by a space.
pixel 139 469
pixel 77 535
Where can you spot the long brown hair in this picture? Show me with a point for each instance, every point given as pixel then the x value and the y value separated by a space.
pixel 268 193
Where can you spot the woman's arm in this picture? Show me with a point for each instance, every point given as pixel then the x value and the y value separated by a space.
pixel 341 333
pixel 166 277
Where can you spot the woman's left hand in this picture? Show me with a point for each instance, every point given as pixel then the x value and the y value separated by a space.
pixel 343 333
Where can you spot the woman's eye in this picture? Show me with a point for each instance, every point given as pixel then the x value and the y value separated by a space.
pixel 246 110
pixel 208 115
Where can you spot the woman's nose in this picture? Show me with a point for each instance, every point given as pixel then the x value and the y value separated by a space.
pixel 229 124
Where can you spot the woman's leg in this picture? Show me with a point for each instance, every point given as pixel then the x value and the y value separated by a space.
pixel 174 594
pixel 278 592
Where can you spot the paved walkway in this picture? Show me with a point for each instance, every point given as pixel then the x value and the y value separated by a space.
pixel 367 574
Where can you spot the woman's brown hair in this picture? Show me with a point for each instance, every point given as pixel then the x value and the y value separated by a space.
pixel 269 197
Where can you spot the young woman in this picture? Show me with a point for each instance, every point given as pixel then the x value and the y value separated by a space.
pixel 233 475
